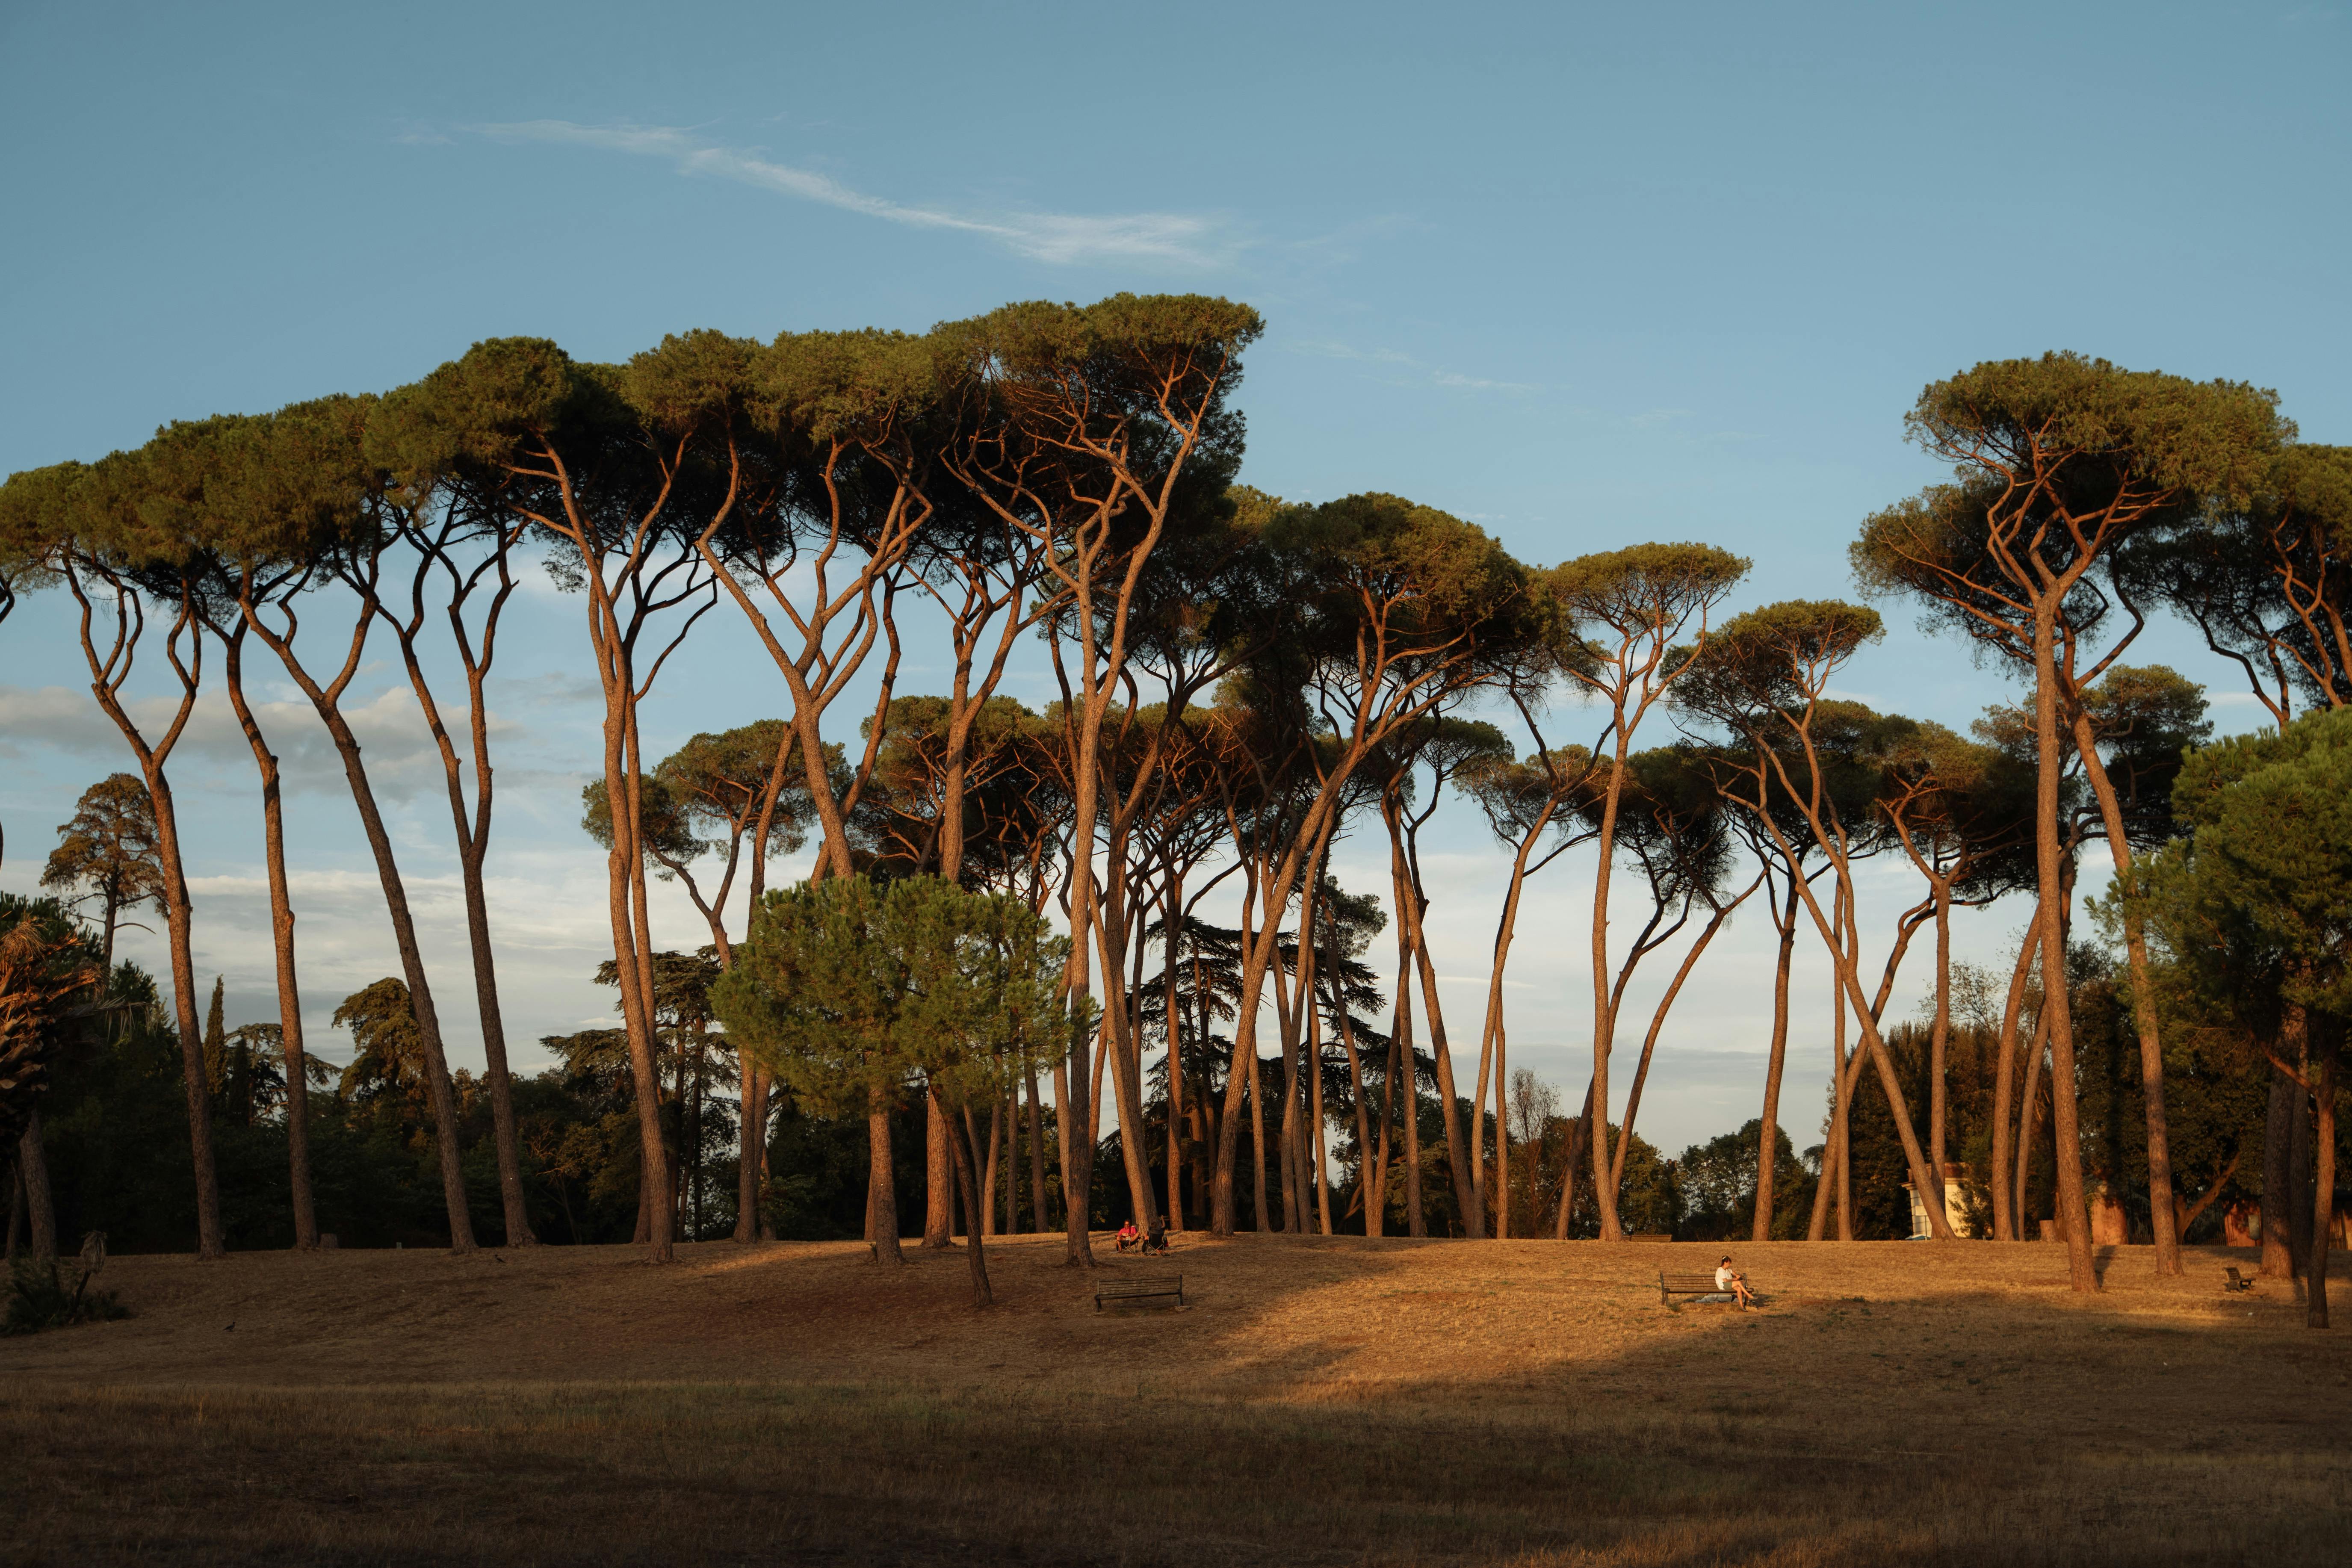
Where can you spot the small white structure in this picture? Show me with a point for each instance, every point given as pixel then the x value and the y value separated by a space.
pixel 1955 1204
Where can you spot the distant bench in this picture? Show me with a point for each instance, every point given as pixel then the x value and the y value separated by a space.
pixel 2236 1281
pixel 1673 1285
pixel 1137 1286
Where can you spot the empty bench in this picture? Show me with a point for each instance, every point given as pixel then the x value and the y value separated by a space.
pixel 2235 1280
pixel 1673 1285
pixel 1138 1287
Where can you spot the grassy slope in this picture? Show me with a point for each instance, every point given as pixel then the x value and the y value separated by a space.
pixel 1318 1401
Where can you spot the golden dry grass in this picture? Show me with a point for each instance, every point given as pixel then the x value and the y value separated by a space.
pixel 1317 1401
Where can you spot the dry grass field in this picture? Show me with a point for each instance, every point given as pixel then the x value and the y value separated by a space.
pixel 1317 1401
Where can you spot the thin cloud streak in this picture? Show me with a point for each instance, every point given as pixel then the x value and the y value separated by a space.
pixel 1436 377
pixel 1061 238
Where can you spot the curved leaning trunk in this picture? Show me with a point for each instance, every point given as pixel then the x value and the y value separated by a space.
pixel 1836 1187
pixel 1286 1138
pixel 751 1129
pixel 1767 1149
pixel 1241 1073
pixel 1939 1041
pixel 1604 1017
pixel 327 702
pixel 1866 1018
pixel 2048 875
pixel 1579 1131
pixel 974 1206
pixel 2030 1106
pixel 1657 1026
pixel 505 1133
pixel 1124 1053
pixel 107 673
pixel 1490 1035
pixel 1837 1158
pixel 623 878
pixel 2029 1111
pixel 472 842
pixel 2006 1222
pixel 2162 1200
pixel 1363 1115
pixel 1401 1040
pixel 281 931
pixel 1466 1192
pixel 472 847
pixel 1833 1189
pixel 440 1093
pixel 1072 1084
pixel 1319 1151
pixel 178 916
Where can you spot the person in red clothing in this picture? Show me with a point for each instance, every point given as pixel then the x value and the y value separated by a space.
pixel 1129 1236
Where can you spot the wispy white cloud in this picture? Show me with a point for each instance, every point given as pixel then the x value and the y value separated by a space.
pixel 402 756
pixel 1419 369
pixel 1166 238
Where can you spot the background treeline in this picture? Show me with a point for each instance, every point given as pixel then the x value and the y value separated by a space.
pixel 117 1147
pixel 1243 682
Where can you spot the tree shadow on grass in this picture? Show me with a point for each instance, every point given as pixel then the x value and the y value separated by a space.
pixel 1407 1401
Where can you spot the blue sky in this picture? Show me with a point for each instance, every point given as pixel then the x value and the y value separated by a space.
pixel 1585 275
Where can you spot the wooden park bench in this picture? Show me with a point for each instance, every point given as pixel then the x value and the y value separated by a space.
pixel 2235 1280
pixel 1673 1285
pixel 1137 1286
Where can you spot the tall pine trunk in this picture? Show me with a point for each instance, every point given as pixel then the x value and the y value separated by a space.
pixel 2323 1179
pixel 107 674
pixel 2277 1206
pixel 939 1176
pixel 2162 1200
pixel 1938 1041
pixel 2049 874
pixel 281 931
pixel 33 1182
pixel 1042 1221
pixel 441 1096
pixel 2007 1223
pixel 2029 1110
pixel 1171 926
pixel 1768 1148
pixel 472 838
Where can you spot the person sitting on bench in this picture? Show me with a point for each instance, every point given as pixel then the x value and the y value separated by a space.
pixel 1129 1236
pixel 1729 1280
